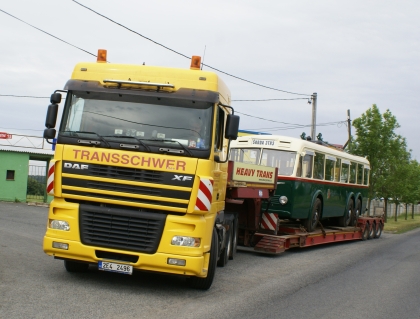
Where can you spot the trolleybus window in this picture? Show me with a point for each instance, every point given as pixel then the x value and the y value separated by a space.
pixel 366 176
pixel 283 160
pixel 245 155
pixel 319 165
pixel 353 173
pixel 329 167
pixel 359 174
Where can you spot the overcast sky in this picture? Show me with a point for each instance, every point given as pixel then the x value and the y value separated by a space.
pixel 351 53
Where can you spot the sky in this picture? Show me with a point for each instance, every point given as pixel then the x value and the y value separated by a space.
pixel 353 54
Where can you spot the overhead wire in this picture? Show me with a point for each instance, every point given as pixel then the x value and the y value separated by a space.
pixel 185 56
pixel 47 33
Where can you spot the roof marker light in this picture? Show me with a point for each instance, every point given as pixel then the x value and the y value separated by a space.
pixel 101 56
pixel 195 62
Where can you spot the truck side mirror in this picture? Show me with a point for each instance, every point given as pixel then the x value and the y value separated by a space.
pixel 49 133
pixel 55 98
pixel 51 116
pixel 232 127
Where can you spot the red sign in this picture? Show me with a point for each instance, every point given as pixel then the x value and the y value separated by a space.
pixel 5 136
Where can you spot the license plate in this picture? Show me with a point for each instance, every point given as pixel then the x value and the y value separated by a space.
pixel 120 268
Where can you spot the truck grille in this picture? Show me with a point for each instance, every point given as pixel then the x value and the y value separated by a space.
pixel 129 230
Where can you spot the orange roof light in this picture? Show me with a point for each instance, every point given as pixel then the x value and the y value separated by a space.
pixel 101 56
pixel 195 62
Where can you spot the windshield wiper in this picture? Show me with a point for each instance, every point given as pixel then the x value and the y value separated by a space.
pixel 74 133
pixel 172 141
pixel 132 137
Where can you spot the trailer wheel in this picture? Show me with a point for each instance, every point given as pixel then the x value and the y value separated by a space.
pixel 372 231
pixel 345 220
pixel 205 283
pixel 365 234
pixel 74 266
pixel 235 229
pixel 379 228
pixel 226 252
pixel 311 222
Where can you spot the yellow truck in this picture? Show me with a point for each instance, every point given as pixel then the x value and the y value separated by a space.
pixel 140 172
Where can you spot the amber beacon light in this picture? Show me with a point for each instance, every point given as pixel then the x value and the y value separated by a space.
pixel 101 56
pixel 195 62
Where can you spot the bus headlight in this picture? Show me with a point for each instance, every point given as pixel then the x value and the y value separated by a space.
pixel 283 200
pixel 186 241
pixel 59 224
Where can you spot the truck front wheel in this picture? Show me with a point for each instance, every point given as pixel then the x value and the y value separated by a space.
pixel 205 283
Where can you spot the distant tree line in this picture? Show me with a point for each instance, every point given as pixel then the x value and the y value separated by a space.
pixel 394 175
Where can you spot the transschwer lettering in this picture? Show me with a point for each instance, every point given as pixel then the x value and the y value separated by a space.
pixel 125 159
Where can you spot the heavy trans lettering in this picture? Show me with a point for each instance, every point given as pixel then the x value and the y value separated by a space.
pixel 135 160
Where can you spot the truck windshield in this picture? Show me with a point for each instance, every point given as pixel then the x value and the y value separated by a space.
pixel 149 119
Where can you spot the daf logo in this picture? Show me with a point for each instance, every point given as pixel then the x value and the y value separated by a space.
pixel 181 178
pixel 76 166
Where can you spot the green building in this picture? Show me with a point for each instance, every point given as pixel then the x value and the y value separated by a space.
pixel 23 174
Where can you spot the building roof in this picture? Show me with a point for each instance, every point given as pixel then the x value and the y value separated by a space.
pixel 27 150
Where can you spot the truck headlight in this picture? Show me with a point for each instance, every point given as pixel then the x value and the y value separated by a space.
pixel 186 241
pixel 59 224
pixel 283 200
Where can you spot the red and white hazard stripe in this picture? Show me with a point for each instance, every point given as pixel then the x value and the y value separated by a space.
pixel 50 180
pixel 269 221
pixel 205 194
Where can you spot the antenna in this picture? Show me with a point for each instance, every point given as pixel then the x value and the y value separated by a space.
pixel 204 54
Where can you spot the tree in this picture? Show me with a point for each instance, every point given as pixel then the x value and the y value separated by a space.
pixel 412 195
pixel 386 151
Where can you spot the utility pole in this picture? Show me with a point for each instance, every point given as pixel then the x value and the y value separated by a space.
pixel 349 129
pixel 313 131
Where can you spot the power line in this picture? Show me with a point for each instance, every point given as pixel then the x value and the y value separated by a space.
pixel 28 96
pixel 185 56
pixel 47 33
pixel 264 100
pixel 20 129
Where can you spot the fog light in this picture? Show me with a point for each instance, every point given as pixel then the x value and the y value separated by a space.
pixel 283 200
pixel 60 245
pixel 59 224
pixel 176 262
pixel 186 241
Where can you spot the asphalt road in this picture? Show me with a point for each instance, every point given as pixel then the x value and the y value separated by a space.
pixel 379 278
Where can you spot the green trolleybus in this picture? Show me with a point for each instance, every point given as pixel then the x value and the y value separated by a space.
pixel 315 181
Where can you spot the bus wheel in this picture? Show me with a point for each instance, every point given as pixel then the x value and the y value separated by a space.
pixel 378 231
pixel 224 256
pixel 372 231
pixel 344 220
pixel 234 237
pixel 205 283
pixel 311 222
pixel 356 213
pixel 73 266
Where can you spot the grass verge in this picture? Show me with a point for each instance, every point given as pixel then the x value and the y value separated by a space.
pixel 401 225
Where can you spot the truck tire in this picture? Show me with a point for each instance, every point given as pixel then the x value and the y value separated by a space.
pixel 226 251
pixel 235 234
pixel 311 222
pixel 205 283
pixel 74 266
pixel 372 231
pixel 379 228
pixel 365 234
pixel 345 220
